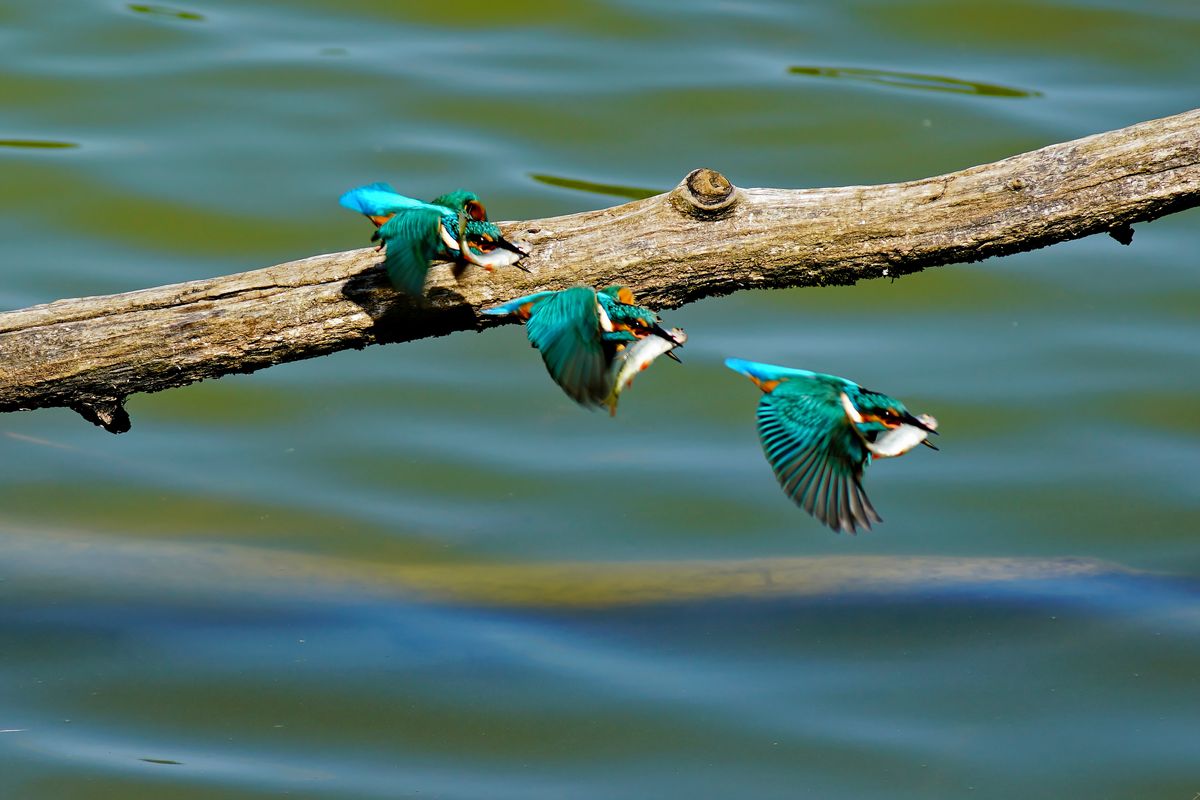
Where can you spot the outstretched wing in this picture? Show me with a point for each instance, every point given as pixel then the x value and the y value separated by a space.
pixel 565 328
pixel 413 238
pixel 816 454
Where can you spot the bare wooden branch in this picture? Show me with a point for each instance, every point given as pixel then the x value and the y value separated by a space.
pixel 705 237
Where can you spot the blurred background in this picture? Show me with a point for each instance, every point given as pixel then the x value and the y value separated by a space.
pixel 420 570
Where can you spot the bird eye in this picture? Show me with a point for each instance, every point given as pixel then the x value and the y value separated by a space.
pixel 887 416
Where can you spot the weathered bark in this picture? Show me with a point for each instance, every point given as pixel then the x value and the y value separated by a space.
pixel 705 237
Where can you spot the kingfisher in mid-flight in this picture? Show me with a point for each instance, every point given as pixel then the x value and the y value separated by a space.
pixel 453 226
pixel 593 342
pixel 819 432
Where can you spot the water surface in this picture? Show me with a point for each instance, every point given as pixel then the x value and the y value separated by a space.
pixel 419 570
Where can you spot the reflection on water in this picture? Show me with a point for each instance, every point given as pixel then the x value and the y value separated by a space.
pixel 37 144
pixel 913 80
pixel 540 585
pixel 165 11
pixel 631 192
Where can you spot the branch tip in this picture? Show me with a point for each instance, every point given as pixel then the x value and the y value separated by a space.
pixel 108 413
pixel 1122 233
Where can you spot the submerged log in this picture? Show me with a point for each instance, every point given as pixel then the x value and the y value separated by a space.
pixel 162 570
pixel 705 237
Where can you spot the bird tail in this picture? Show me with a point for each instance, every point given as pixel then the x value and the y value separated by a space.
pixel 765 372
pixel 374 199
pixel 515 306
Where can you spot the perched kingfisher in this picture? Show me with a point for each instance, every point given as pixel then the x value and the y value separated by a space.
pixel 454 226
pixel 819 432
pixel 593 342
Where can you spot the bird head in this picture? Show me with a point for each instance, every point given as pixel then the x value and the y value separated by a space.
pixel 621 294
pixel 867 408
pixel 886 427
pixel 463 200
pixel 483 237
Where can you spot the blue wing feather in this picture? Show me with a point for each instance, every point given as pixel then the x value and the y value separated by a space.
pixel 565 329
pixel 817 456
pixel 413 238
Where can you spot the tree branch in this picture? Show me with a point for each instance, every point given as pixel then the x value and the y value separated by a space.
pixel 705 237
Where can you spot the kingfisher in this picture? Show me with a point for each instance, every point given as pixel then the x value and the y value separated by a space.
pixel 819 432
pixel 453 226
pixel 593 342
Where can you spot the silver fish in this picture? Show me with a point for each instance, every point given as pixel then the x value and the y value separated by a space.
pixel 635 358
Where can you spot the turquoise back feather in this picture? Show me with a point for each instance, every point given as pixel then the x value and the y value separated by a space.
pixel 413 239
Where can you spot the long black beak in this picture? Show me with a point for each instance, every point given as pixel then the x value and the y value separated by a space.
pixel 505 244
pixel 663 333
pixel 909 419
pixel 930 444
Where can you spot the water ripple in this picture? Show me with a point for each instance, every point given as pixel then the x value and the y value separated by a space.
pixel 914 80
pixel 613 189
pixel 38 144
pixel 165 11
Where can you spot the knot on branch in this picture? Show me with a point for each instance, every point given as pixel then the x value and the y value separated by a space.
pixel 704 193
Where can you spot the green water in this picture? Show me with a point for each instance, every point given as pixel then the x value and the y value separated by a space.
pixel 419 570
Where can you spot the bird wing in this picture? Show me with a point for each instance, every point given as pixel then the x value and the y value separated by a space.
pixel 565 329
pixel 413 238
pixel 816 454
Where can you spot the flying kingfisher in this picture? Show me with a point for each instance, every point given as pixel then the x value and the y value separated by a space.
pixel 593 342
pixel 819 432
pixel 454 226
